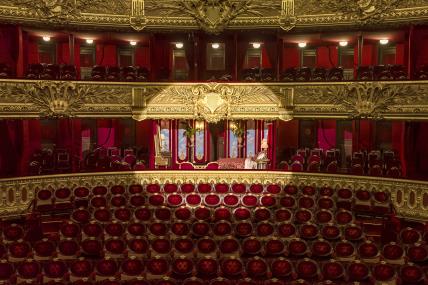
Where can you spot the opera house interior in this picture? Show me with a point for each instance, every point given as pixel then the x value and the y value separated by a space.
pixel 214 142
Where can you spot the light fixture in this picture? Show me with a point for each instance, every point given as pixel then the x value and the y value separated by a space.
pixel 133 43
pixel 343 43
pixel 384 41
pixel 232 125
pixel 46 38
pixel 199 125
pixel 179 45
pixel 89 41
pixel 302 44
pixel 256 45
pixel 215 45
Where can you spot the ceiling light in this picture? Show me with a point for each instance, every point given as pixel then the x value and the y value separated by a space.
pixel 133 43
pixel 215 45
pixel 256 45
pixel 384 41
pixel 343 43
pixel 89 41
pixel 302 45
pixel 46 38
pixel 179 45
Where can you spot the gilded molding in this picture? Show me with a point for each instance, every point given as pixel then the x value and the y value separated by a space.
pixel 213 16
pixel 213 102
pixel 407 196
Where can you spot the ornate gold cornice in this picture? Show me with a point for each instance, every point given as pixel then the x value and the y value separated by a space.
pixel 214 101
pixel 212 16
pixel 407 196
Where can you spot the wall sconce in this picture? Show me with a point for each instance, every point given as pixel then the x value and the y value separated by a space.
pixel 343 43
pixel 133 43
pixel 302 45
pixel 232 125
pixel 89 41
pixel 215 45
pixel 199 125
pixel 46 38
pixel 256 45
pixel 179 45
pixel 384 41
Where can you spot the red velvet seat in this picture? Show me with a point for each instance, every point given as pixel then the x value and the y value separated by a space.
pixel 183 213
pixel 207 268
pixel 170 188
pixel 326 191
pixel 262 214
pixel 297 248
pixel 325 203
pixel 302 216
pixel 286 230
pixel 29 270
pixel 180 229
pixel 268 201
pixel 256 188
pixel 393 253
pixel 222 228
pixel 183 246
pixel 80 216
pixel 333 270
pixel 353 233
pixel 204 188
pixel 98 201
pixel 344 217
pixel 383 272
pixel 202 213
pixel 273 189
pixel 212 200
pixel 193 199
pixel 160 246
pixel 12 233
pixel 251 246
pixel 18 251
pixel 81 268
pixel 344 199
pixel 157 267
pixel 135 189
pixel 288 202
pixel 274 247
pixel 232 268
pixel 162 213
pixel 243 229
pixel 143 214
pixel 206 247
pixel 91 247
pixel 231 200
pixel 99 190
pixel 44 249
pixel 114 247
pixel 417 253
pixel 239 188
pixel 344 250
pixel 306 202
pixel 135 229
pixel 307 269
pixel 281 268
pixel 54 269
pixel 358 272
pixel 158 228
pixel 118 201
pixel 102 215
pixel 308 231
pixel 106 268
pixel 411 274
pixel 44 201
pixel 229 246
pixel 264 229
pixel 368 251
pixel 222 213
pixel 283 215
pixel 323 217
pixel 132 267
pixel 68 248
pixel 138 246
pixel 256 268
pixel 156 200
pixel 241 213
pixel 249 201
pixel 201 229
pixel 321 248
pixel 330 232
pixel 409 236
pixel 182 267
pixel 290 189
pixel 187 188
pixel 153 188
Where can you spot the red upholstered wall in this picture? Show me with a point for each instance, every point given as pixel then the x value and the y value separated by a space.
pixel 327 56
pixel 8 45
pixel 106 54
pixel 291 57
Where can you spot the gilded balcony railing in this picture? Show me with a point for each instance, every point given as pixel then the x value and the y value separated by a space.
pixel 409 197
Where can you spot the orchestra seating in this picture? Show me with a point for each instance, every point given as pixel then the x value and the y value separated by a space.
pixel 211 234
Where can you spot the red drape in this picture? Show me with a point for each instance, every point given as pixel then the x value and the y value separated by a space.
pixel 106 54
pixel 290 58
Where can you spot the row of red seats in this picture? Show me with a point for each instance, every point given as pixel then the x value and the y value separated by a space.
pixel 232 269
pixel 309 74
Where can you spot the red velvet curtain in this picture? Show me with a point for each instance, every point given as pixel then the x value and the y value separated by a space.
pixel 271 48
pixel 189 47
pixel 242 53
pixel 11 147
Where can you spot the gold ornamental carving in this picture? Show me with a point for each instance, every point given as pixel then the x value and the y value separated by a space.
pixel 57 10
pixel 364 99
pixel 212 16
pixel 366 11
